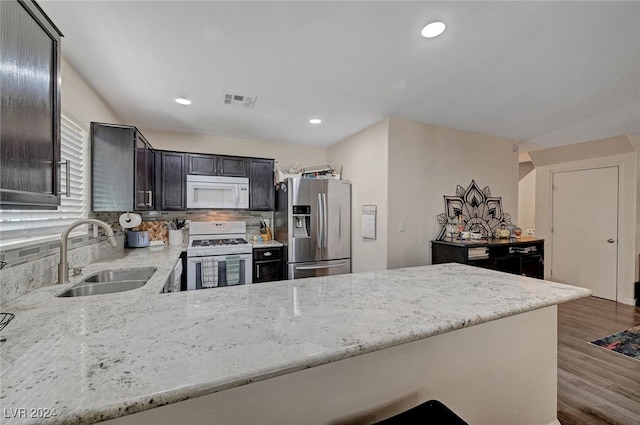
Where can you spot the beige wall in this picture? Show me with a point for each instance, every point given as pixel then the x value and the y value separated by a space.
pixel 79 98
pixel 364 158
pixel 527 203
pixel 619 151
pixel 427 162
pixel 635 140
pixel 285 154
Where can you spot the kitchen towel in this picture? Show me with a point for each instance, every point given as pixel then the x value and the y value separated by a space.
pixel 208 272
pixel 233 269
pixel 130 220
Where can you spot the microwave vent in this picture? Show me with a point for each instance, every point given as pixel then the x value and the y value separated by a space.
pixel 239 100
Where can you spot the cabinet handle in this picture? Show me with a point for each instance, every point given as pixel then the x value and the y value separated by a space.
pixel 150 202
pixel 67 164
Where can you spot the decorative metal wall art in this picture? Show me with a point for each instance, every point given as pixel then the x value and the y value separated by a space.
pixel 479 211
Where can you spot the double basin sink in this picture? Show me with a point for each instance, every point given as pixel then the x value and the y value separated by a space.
pixel 110 281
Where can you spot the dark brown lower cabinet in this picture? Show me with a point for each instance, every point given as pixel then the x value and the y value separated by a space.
pixel 524 256
pixel 267 264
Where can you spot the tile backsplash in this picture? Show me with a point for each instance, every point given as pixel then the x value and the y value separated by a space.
pixel 35 265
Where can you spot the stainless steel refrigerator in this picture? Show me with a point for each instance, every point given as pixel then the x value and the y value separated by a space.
pixel 313 219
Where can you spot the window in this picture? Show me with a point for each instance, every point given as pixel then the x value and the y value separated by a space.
pixel 22 225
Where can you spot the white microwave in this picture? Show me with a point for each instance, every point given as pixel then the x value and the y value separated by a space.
pixel 217 192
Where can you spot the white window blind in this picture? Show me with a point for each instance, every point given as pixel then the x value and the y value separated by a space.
pixel 31 224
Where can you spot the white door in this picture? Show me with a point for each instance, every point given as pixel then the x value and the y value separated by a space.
pixel 585 230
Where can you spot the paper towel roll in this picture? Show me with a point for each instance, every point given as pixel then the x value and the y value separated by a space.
pixel 130 220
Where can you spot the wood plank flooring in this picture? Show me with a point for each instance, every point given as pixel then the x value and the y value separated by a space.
pixel 596 386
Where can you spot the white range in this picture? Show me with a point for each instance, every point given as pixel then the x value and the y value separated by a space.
pixel 218 255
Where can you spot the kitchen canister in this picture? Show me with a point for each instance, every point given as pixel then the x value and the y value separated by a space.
pixel 137 238
pixel 175 237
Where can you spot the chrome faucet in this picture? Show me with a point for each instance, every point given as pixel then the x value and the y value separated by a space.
pixel 63 266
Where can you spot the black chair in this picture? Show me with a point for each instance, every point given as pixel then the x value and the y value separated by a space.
pixel 431 412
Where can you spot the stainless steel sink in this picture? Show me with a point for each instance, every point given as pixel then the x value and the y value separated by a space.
pixel 110 281
pixel 120 275
pixel 103 288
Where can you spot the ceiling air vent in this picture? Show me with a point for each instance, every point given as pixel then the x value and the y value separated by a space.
pixel 239 100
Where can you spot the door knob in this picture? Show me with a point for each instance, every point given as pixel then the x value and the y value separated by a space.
pixel 610 240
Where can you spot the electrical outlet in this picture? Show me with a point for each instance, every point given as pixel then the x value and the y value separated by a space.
pixel 403 226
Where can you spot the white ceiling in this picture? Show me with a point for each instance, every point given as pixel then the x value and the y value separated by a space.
pixel 543 73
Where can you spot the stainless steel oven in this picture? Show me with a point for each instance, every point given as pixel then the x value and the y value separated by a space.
pixel 218 255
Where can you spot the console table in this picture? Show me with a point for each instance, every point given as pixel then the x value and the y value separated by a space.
pixel 522 256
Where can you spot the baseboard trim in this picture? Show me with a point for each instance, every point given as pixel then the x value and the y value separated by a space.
pixel 628 301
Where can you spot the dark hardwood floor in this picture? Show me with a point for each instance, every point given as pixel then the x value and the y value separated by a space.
pixel 596 386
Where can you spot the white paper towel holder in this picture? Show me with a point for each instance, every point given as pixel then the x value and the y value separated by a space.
pixel 128 220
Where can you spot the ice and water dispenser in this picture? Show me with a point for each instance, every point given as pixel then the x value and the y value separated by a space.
pixel 301 221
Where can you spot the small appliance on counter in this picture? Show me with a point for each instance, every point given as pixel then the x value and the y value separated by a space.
pixel 137 238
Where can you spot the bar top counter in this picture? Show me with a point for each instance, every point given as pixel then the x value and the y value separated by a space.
pixel 88 359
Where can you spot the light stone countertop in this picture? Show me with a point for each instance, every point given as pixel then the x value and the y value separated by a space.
pixel 101 357
pixel 266 244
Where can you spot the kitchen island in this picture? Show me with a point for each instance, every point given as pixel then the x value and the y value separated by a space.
pixel 336 349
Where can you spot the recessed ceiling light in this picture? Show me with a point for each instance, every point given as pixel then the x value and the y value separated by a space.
pixel 433 29
pixel 183 101
pixel 315 121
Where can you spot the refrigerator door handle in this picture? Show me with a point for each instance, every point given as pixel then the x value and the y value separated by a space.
pixel 320 222
pixel 324 266
pixel 325 228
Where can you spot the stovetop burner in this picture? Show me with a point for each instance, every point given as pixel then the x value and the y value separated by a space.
pixel 218 242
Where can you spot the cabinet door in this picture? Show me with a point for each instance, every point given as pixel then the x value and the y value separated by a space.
pixel 122 168
pixel 113 167
pixel 232 166
pixel 269 271
pixel 201 164
pixel 172 181
pixel 30 108
pixel 261 189
pixel 144 176
pixel 150 175
pixel 267 264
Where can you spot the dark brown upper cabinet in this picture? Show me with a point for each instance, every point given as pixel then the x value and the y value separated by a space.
pixel 171 170
pixel 261 189
pixel 202 164
pixel 171 178
pixel 232 166
pixel 30 107
pixel 217 165
pixel 122 169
